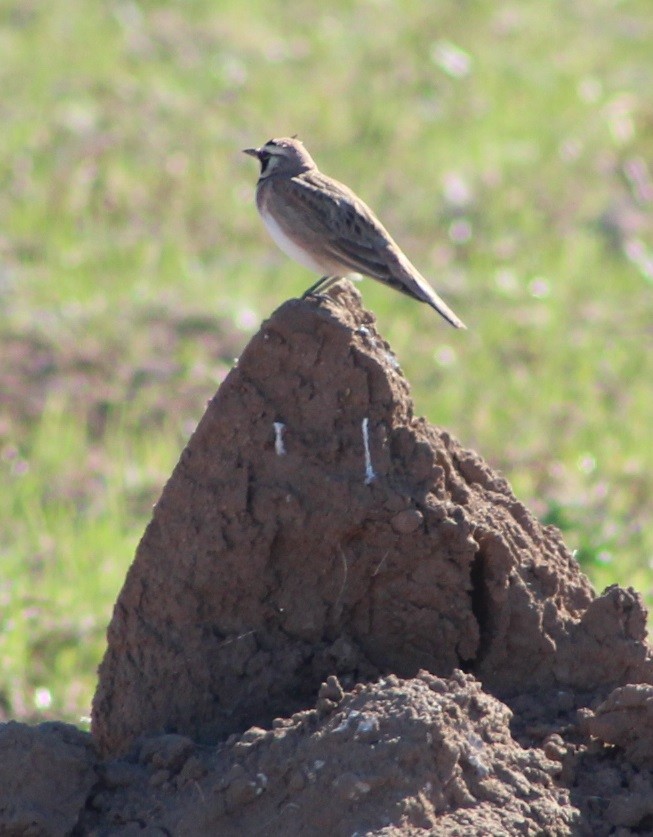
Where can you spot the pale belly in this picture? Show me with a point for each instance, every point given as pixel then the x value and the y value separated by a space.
pixel 292 249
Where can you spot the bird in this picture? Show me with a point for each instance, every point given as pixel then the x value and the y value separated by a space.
pixel 327 228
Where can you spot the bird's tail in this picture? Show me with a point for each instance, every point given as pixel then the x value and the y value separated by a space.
pixel 415 285
pixel 432 299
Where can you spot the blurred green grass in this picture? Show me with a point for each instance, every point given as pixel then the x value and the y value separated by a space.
pixel 507 148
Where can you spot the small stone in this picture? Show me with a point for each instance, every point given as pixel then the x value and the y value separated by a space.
pixel 407 521
pixel 554 748
pixel 349 786
pixel 192 771
pixel 324 706
pixel 166 751
pixel 159 778
pixel 240 792
pixel 253 735
pixel 331 690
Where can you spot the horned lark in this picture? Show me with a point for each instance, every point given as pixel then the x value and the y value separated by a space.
pixel 327 228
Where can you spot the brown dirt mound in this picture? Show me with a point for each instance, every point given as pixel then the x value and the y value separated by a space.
pixel 264 571
pixel 316 543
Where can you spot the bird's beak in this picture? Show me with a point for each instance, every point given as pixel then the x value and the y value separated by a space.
pixel 253 152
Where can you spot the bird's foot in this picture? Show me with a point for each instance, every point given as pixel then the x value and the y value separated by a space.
pixel 318 295
pixel 318 288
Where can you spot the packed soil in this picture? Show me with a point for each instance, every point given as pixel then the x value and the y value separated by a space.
pixel 339 621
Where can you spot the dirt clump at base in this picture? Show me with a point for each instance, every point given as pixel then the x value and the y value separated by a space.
pixel 46 775
pixel 340 620
pixel 393 755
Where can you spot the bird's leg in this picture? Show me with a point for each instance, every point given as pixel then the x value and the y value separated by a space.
pixel 322 284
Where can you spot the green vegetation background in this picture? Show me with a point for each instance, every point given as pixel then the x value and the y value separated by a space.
pixel 507 146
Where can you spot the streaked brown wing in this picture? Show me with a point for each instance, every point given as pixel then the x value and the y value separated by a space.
pixel 359 259
pixel 339 225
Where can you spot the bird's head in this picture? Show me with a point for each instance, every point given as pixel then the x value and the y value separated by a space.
pixel 285 156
